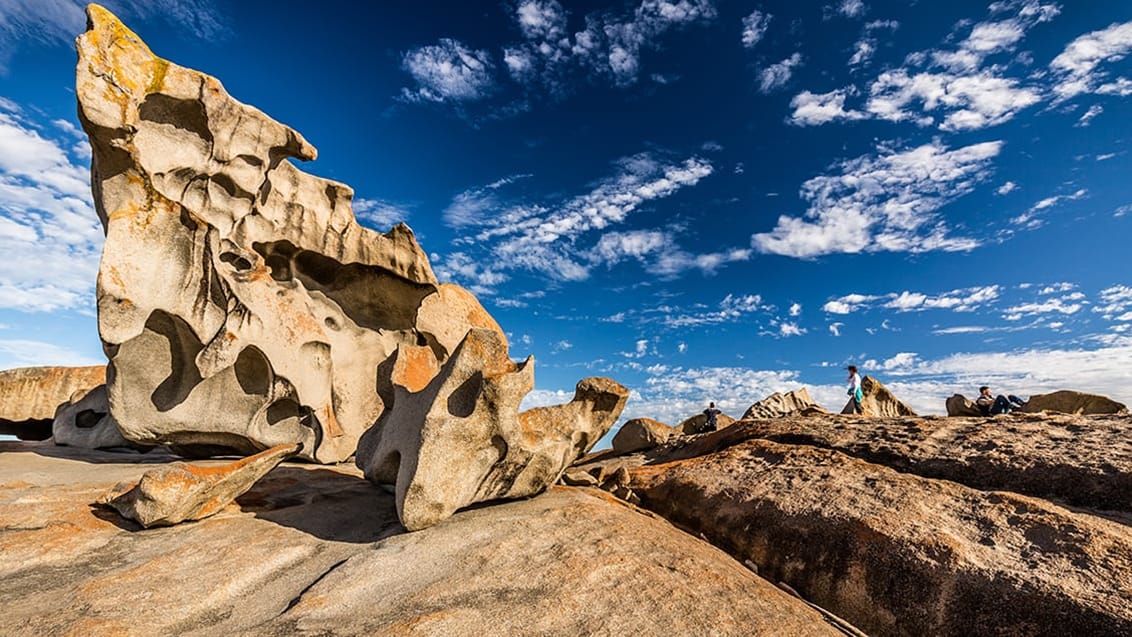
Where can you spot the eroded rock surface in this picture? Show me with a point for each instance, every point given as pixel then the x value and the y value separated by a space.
pixel 29 396
pixel 642 433
pixel 695 424
pixel 86 422
pixel 453 437
pixel 877 520
pixel 1073 402
pixel 178 492
pixel 778 405
pixel 316 550
pixel 878 401
pixel 960 405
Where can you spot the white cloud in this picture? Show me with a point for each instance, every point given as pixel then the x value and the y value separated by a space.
pixel 682 347
pixel 27 353
pixel 777 75
pixel 1078 67
pixel 958 300
pixel 883 203
pixel 561 346
pixel 962 329
pixel 473 206
pixel 448 72
pixel 671 395
pixel 851 8
pixel 1115 303
pixel 1031 218
pixel 787 328
pixel 59 21
pixel 1063 305
pixel 1087 118
pixel 835 328
pixel 1122 211
pixel 50 236
pixel 379 214
pixel 460 267
pixel 969 102
pixel 1007 188
pixel 814 110
pixel 731 309
pixel 754 28
pixel 848 304
pixel 795 309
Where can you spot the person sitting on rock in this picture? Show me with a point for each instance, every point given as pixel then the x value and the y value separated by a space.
pixel 712 414
pixel 992 406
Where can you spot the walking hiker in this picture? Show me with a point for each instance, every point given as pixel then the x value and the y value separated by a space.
pixel 854 389
pixel 993 406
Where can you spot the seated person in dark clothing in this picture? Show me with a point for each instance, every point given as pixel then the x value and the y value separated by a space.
pixel 992 406
pixel 712 415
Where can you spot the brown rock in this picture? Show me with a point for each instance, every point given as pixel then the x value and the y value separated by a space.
pixel 315 550
pixel 86 422
pixel 641 433
pixel 453 437
pixel 1073 402
pixel 878 401
pixel 958 405
pixel 178 492
pixel 897 554
pixel 797 402
pixel 695 424
pixel 29 396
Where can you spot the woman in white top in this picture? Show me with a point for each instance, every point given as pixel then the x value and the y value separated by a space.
pixel 855 389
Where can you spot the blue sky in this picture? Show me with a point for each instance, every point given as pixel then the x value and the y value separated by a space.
pixel 703 200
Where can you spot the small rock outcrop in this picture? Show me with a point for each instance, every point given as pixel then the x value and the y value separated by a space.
pixel 878 401
pixel 1073 402
pixel 695 424
pixel 452 437
pixel 958 405
pixel 642 433
pixel 29 396
pixel 179 492
pixel 86 422
pixel 778 405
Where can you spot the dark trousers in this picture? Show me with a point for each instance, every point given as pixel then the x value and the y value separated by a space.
pixel 857 407
pixel 1005 404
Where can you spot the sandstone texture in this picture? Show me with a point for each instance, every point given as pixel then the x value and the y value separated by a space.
pixel 86 422
pixel 1073 402
pixel 959 405
pixel 29 396
pixel 178 492
pixel 229 277
pixel 695 424
pixel 318 550
pixel 452 437
pixel 778 405
pixel 642 433
pixel 878 401
pixel 912 526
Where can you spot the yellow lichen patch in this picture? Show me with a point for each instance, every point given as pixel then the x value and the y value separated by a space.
pixel 159 68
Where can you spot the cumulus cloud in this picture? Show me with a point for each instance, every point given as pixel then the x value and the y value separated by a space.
pixel 958 300
pixel 1115 303
pixel 448 71
pixel 673 394
pixel 50 236
pixel 813 110
pixel 851 8
pixel 887 202
pixel 755 27
pixel 1007 188
pixel 1080 67
pixel 777 75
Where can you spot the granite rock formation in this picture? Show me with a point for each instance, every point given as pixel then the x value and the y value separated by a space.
pixel 852 513
pixel 960 405
pixel 642 433
pixel 86 422
pixel 317 550
pixel 778 405
pixel 229 277
pixel 451 437
pixel 1073 402
pixel 695 424
pixel 29 396
pixel 178 492
pixel 878 401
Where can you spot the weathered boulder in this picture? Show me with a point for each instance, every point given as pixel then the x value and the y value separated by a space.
pixel 894 553
pixel 229 277
pixel 86 422
pixel 29 396
pixel 451 437
pixel 878 401
pixel 777 405
pixel 958 405
pixel 1083 461
pixel 178 492
pixel 695 424
pixel 318 550
pixel 1073 402
pixel 642 433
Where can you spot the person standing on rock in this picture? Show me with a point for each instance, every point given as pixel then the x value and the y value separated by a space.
pixel 854 389
pixel 712 415
pixel 993 406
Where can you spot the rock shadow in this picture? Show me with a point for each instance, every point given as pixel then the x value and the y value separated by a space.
pixel 49 449
pixel 328 504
